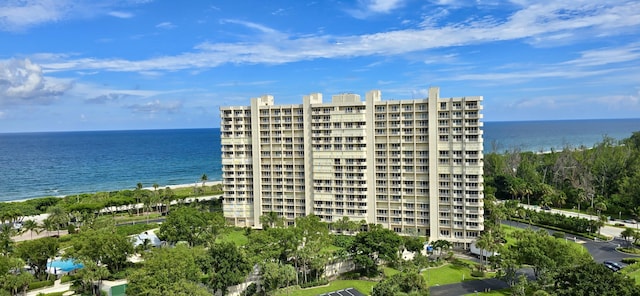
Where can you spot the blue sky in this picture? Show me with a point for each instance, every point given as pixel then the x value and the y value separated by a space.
pixel 136 64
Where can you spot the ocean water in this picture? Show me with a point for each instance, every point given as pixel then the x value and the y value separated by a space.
pixel 66 163
pixel 545 136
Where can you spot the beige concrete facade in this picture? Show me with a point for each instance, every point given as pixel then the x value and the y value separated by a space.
pixel 413 166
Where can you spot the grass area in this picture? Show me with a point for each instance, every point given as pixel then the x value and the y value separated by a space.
pixel 447 274
pixel 388 271
pixel 363 286
pixel 629 250
pixel 236 236
pixel 126 217
pixel 331 249
pixel 122 218
pixel 635 276
pixel 135 228
pixel 508 231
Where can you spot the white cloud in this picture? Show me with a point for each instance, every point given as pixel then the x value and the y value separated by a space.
pixel 599 57
pixel 120 14
pixel 372 7
pixel 165 25
pixel 22 82
pixel 2 114
pixel 556 18
pixel 19 15
pixel 383 6
pixel 106 98
pixel 156 106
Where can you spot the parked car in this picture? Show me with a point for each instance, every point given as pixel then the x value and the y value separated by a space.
pixel 614 264
pixel 611 267
pixel 546 208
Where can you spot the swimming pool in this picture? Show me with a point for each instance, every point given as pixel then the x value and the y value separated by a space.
pixel 64 265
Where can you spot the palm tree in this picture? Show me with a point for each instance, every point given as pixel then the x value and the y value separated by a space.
pixel 48 226
pixel 441 245
pixel 155 194
pixel 271 219
pixel 636 213
pixel 204 179
pixel 58 217
pixel 138 196
pixel 600 207
pixel 167 198
pixel 31 226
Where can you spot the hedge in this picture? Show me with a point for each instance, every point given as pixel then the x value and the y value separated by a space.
pixel 40 284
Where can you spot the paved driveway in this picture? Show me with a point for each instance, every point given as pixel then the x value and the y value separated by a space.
pixel 599 250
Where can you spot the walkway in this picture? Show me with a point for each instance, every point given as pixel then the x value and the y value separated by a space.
pixel 57 287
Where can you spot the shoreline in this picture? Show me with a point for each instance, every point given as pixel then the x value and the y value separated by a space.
pixel 207 183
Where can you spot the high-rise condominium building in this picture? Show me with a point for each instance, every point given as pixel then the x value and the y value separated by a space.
pixel 413 166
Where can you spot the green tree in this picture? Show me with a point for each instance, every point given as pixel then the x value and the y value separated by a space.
pixel 88 275
pixel 276 275
pixel 31 226
pixel 545 253
pixel 228 265
pixel 167 198
pixel 58 217
pixel 377 243
pixel 13 276
pixel 402 284
pixel 413 244
pixel 204 179
pixel 191 225
pixel 441 245
pixel 591 278
pixel 138 195
pixel 312 237
pixel 35 253
pixel 627 234
pixel 102 246
pixel 163 274
pixel 271 219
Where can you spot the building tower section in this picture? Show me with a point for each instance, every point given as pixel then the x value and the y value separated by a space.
pixel 413 166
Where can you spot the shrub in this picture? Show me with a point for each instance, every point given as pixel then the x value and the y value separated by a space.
pixel 122 274
pixel 558 234
pixel 71 229
pixel 250 290
pixel 630 260
pixel 351 275
pixel 343 241
pixel 478 273
pixel 68 278
pixel 40 284
pixel 314 283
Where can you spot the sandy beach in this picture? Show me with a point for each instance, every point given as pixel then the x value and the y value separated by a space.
pixel 198 184
pixel 39 218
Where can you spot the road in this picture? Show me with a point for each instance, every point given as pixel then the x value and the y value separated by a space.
pixel 608 230
pixel 600 251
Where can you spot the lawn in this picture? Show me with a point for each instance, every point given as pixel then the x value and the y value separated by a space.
pixel 635 276
pixel 236 236
pixel 363 286
pixel 447 274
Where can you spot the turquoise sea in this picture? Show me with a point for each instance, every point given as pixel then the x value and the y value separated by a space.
pixel 65 163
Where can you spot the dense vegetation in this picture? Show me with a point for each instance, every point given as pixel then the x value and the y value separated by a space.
pixel 604 179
